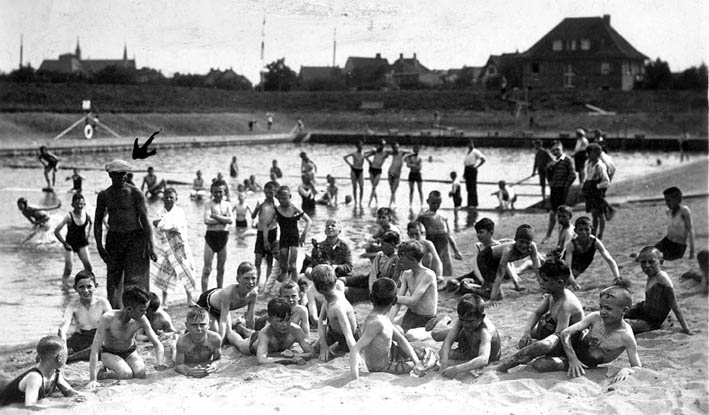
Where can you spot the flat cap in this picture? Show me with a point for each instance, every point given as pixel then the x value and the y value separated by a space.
pixel 118 166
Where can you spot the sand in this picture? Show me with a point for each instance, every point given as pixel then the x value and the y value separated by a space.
pixel 673 378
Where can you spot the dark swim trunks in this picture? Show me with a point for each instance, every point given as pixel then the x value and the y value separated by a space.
pixel 655 308
pixel 671 250
pixel 241 224
pixel 123 354
pixel 216 240
pixel 331 338
pixel 546 326
pixel 252 342
pixel 415 176
pixel 80 340
pixel 357 172
pixel 412 320
pixel 580 343
pixel 259 249
pixel 375 172
pixel 203 302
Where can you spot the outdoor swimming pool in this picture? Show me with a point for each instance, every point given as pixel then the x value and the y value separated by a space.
pixel 31 277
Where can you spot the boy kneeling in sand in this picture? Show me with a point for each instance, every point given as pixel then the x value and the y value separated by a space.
pixel 560 309
pixel 199 347
pixel 477 338
pixel 337 325
pixel 384 345
pixel 115 339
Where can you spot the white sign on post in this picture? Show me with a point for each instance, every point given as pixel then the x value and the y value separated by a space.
pixel 86 105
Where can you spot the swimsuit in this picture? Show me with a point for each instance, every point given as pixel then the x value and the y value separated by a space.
pixel 655 308
pixel 308 203
pixel 415 176
pixel 580 342
pixel 258 248
pixel 242 224
pixel 671 250
pixel 123 354
pixel 457 198
pixel 76 234
pixel 216 240
pixel 289 229
pixel 77 181
pixel 412 320
pixel 357 172
pixel 252 342
pixel 488 264
pixel 582 260
pixel 11 393
pixel 80 340
pixel 331 338
pixel 374 171
pixel 204 302
pixel 545 327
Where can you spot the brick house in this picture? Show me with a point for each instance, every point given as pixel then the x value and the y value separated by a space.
pixel 582 52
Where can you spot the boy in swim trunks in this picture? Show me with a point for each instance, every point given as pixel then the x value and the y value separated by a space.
pixel 198 348
pixel 356 172
pixel 384 346
pixel 477 338
pixel 151 186
pixel 217 217
pixel 559 309
pixel 115 340
pixel 378 155
pixel 49 161
pixel 397 162
pixel 85 312
pixel 438 232
pixel 414 162
pixel 418 290
pixel 266 232
pixel 679 227
pixel 221 301
pixel 241 210
pixel 660 297
pixel 77 181
pixel 78 224
pixel 580 251
pixel 337 326
pixel 36 216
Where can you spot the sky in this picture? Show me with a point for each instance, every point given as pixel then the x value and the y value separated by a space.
pixel 193 37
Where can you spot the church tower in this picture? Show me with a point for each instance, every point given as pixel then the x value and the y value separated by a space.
pixel 77 52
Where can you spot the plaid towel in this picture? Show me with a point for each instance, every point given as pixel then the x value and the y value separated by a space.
pixel 174 262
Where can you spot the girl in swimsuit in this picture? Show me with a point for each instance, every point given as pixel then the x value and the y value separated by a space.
pixel 78 225
pixel 287 216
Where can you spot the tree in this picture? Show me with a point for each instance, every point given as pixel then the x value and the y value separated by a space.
pixel 692 78
pixel 279 77
pixel 114 74
pixel 657 75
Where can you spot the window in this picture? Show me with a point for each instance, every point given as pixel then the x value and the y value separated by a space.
pixel 557 46
pixel 573 45
pixel 605 68
pixel 569 76
pixel 535 68
pixel 585 44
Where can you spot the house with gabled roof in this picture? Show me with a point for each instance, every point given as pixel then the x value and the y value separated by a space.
pixel 410 73
pixel 582 52
pixel 366 73
pixel 72 63
pixel 501 66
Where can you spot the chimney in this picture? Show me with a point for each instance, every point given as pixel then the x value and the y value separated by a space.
pixel 607 19
pixel 401 56
pixel 414 55
pixel 378 56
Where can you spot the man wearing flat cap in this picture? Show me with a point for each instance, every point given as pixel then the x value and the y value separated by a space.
pixel 129 241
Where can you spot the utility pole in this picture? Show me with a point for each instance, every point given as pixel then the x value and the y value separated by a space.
pixel 334 46
pixel 20 51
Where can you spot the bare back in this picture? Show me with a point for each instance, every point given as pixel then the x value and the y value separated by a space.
pixel 376 354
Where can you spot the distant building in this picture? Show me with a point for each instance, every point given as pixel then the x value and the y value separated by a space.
pixel 501 67
pixel 410 73
pixel 72 63
pixel 366 73
pixel 583 52
pixel 319 78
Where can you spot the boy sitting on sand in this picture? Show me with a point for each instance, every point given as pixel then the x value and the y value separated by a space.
pixel 290 291
pixel 115 340
pixel 431 260
pixel 477 338
pixel 219 302
pixel 581 249
pixel 85 312
pixel 385 348
pixel 40 381
pixel 560 309
pixel 337 323
pixel 660 297
pixel 199 347
pixel 418 290
pixel 438 232
pixel 679 227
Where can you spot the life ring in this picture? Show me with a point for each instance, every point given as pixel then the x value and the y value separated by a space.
pixel 88 131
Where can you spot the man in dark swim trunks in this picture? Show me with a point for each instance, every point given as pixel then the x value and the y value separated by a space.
pixel 217 217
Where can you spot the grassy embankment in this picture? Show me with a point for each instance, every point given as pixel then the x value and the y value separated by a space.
pixel 33 110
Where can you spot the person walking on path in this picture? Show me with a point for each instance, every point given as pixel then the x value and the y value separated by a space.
pixel 561 175
pixel 473 160
pixel 129 241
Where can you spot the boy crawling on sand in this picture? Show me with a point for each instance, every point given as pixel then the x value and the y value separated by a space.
pixel 115 340
pixel 337 325
pixel 199 347
pixel 477 338
pixel 384 346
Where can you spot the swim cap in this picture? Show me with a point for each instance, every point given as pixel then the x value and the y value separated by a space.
pixel 525 232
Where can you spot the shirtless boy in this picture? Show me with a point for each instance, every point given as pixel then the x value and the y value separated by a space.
pixel 431 260
pixel 397 162
pixel 581 249
pixel 418 290
pixel 679 227
pixel 199 347
pixel 159 320
pixel 151 186
pixel 566 229
pixel 266 232
pixel 221 301
pixel 85 312
pixel 290 291
pixel 217 217
pixel 356 172
pixel 559 309
pixel 660 297
pixel 49 161
pixel 438 232
pixel 384 346
pixel 477 338
pixel 378 155
pixel 337 325
pixel 415 163
pixel 115 340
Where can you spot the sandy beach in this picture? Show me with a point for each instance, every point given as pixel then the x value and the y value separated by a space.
pixel 673 378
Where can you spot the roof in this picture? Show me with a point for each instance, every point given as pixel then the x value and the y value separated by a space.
pixel 54 66
pixel 312 73
pixel 606 42
pixel 366 63
pixel 408 65
pixel 95 65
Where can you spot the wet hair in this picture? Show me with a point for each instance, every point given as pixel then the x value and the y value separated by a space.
pixel 245 267
pixel 471 304
pixel 485 224
pixel 384 211
pixel 134 296
pixel 583 220
pixel 323 277
pixel 554 269
pixel 284 189
pixel 391 237
pixel 288 285
pixel 673 192
pixel 270 185
pixel 76 197
pixel 279 307
pixel 383 292
pixel 501 183
pixel 150 168
pixel 303 154
pixel 170 190
pixel 537 143
pixel 414 224
pixel 196 313
pixel 49 346
pixel 454 174
pixel 564 209
pixel 414 249
pixel 434 193
pixel 620 294
pixel 154 302
pixel 83 275
pixel 653 250
pixel 42 148
pixel 525 232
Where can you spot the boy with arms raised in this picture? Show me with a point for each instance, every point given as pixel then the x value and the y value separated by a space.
pixel 219 302
pixel 419 283
pixel 337 322
pixel 581 249
pixel 438 232
pixel 660 297
pixel 385 348
pixel 679 227
pixel 477 338
pixel 115 339
pixel 85 312
pixel 560 309
pixel 199 347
